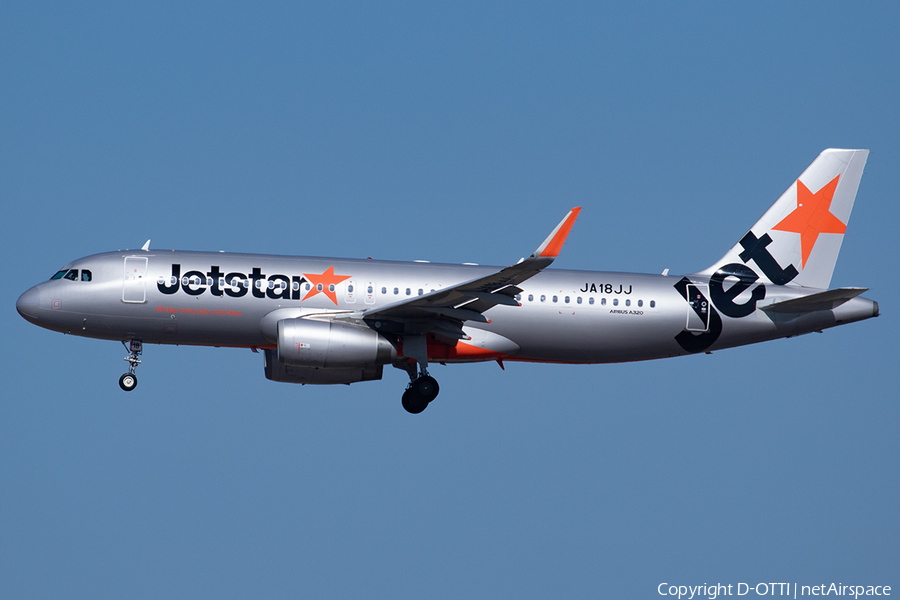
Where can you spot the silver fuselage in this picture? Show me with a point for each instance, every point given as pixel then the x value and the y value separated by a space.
pixel 564 315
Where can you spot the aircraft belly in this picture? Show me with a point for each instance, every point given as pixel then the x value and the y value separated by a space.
pixel 591 335
pixel 762 326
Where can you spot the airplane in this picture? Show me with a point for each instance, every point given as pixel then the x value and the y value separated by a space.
pixel 340 321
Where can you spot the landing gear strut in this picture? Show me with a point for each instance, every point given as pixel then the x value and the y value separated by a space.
pixel 128 381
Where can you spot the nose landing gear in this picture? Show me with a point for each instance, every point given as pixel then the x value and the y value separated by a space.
pixel 128 381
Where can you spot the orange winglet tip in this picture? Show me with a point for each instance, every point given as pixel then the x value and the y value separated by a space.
pixel 556 240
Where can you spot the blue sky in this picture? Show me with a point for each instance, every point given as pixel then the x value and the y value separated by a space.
pixel 456 133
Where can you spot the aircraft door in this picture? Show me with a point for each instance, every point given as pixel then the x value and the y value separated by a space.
pixel 698 308
pixel 134 289
pixel 370 292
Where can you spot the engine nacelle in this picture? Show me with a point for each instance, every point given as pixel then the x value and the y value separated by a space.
pixel 330 344
pixel 278 371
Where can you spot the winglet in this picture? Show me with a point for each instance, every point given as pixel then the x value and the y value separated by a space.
pixel 554 242
pixel 146 246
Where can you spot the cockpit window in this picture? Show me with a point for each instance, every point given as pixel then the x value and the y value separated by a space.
pixel 59 274
pixel 72 275
pixel 85 275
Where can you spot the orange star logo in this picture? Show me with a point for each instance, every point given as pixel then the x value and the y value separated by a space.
pixel 325 283
pixel 812 216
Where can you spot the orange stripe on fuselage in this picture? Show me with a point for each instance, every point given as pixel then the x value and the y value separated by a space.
pixel 461 352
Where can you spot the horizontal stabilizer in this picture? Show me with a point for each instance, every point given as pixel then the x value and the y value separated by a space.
pixel 822 301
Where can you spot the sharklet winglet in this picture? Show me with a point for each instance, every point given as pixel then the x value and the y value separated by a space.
pixel 554 242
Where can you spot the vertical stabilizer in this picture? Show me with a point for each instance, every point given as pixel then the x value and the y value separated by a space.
pixel 798 240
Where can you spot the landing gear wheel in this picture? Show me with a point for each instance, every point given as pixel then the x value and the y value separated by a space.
pixel 426 388
pixel 412 403
pixel 128 382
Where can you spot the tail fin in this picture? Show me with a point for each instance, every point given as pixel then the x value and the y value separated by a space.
pixel 799 237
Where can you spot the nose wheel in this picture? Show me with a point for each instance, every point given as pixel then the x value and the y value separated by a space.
pixel 128 381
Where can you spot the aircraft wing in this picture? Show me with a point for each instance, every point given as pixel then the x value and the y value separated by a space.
pixel 468 300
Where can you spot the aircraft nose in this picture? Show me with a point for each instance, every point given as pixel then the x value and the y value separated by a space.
pixel 28 304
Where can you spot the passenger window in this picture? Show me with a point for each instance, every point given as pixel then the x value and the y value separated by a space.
pixel 519 297
pixel 531 297
pixel 640 302
pixel 85 275
pixel 396 291
pixel 555 299
pixel 627 302
pixel 272 285
pixel 72 275
pixel 543 298
pixel 602 301
pixel 209 281
pixel 369 290
pixel 319 287
pixel 579 300
pixel 295 286
pixel 408 291
pixel 615 301
pixel 384 290
pixel 567 299
pixel 590 300
pixel 59 274
pixel 330 287
pixel 653 304
pixel 420 291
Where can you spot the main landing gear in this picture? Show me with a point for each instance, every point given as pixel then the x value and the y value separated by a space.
pixel 128 381
pixel 422 389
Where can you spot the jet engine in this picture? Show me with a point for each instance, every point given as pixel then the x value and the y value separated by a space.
pixel 326 352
